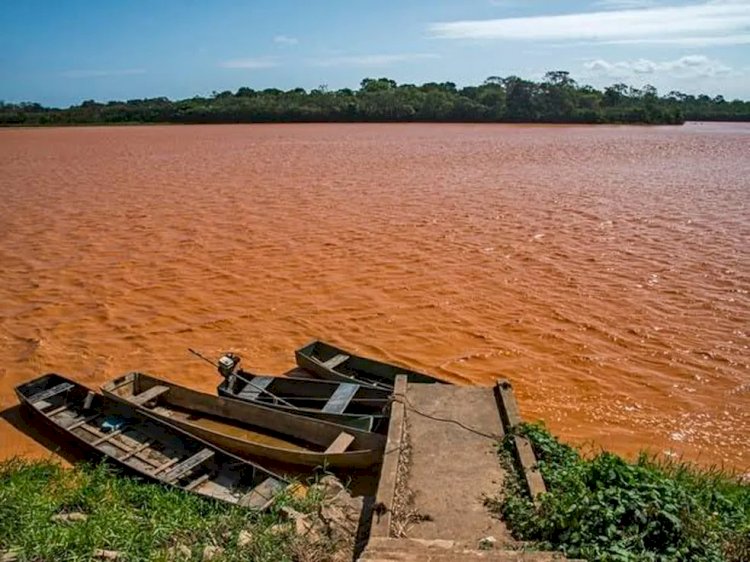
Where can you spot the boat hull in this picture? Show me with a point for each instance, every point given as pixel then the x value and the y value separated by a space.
pixel 316 358
pixel 368 409
pixel 244 429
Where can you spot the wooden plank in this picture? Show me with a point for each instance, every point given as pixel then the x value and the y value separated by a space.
pixel 141 457
pixel 56 411
pixel 335 361
pixel 381 521
pixel 150 394
pixel 88 401
pixel 188 464
pixel 506 403
pixel 140 448
pixel 533 477
pixel 84 421
pixel 254 388
pixel 50 392
pixel 263 493
pixel 164 466
pixel 340 444
pixel 107 437
pixel 197 482
pixel 341 397
pixel 511 417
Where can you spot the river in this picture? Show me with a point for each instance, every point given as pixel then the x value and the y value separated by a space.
pixel 604 270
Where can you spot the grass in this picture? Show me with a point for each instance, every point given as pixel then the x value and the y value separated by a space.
pixel 138 519
pixel 604 508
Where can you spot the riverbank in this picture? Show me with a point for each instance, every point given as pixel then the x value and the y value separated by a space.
pixel 89 512
pixel 96 513
pixel 555 99
pixel 598 508
pixel 604 508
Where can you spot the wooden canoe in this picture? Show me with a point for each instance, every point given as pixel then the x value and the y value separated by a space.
pixel 342 403
pixel 249 430
pixel 330 362
pixel 147 446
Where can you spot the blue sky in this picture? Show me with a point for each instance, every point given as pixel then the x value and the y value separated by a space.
pixel 60 53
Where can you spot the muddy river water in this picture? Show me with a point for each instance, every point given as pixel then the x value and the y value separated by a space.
pixel 603 270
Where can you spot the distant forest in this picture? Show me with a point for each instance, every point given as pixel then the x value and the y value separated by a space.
pixel 556 99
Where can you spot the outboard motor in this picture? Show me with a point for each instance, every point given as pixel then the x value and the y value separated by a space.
pixel 228 363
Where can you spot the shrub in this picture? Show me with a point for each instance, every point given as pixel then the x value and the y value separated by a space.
pixel 607 509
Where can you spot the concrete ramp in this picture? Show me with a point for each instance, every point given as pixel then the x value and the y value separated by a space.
pixel 454 467
pixel 440 464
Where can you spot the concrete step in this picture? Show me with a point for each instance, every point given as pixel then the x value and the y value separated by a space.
pixel 462 556
pixel 415 550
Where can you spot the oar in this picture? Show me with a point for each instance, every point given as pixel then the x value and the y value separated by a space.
pixel 354 400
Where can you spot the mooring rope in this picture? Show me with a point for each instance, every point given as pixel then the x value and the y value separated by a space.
pixel 409 406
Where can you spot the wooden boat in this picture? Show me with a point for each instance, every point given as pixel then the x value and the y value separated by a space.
pixel 353 405
pixel 329 362
pixel 147 446
pixel 249 430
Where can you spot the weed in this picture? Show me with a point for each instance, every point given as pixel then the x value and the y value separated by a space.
pixel 604 508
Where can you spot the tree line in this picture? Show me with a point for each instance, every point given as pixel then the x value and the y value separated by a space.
pixel 556 99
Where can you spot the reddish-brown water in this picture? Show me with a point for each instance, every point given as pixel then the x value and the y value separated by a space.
pixel 604 270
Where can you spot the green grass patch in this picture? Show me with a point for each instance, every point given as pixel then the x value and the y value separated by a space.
pixel 604 508
pixel 138 519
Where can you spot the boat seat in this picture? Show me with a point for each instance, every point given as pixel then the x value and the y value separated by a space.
pixel 340 399
pixel 150 394
pixel 50 392
pixel 335 361
pixel 254 387
pixel 258 497
pixel 340 444
pixel 181 469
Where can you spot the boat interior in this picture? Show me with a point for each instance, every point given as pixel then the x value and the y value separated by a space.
pixel 241 420
pixel 147 446
pixel 326 396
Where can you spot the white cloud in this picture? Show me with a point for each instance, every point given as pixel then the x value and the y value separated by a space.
pixel 101 73
pixel 371 60
pixel 624 4
pixel 253 63
pixel 285 40
pixel 693 66
pixel 714 22
pixel 716 41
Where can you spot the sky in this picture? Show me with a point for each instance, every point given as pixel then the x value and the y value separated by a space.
pixel 61 53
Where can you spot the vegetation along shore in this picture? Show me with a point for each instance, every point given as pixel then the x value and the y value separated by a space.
pixel 558 98
pixel 600 507
pixel 94 512
pixel 597 507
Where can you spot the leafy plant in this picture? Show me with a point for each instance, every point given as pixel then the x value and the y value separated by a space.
pixel 607 509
